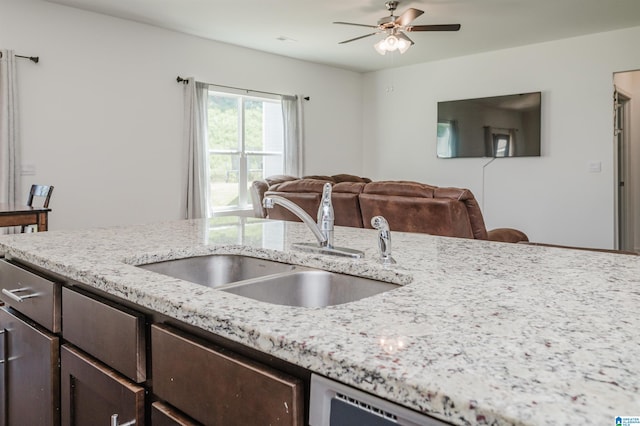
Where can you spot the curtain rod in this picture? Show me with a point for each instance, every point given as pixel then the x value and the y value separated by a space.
pixel 185 81
pixel 34 59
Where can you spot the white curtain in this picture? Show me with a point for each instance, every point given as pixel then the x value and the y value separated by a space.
pixel 293 141
pixel 195 96
pixel 10 158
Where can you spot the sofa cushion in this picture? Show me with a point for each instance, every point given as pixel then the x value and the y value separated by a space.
pixel 436 216
pixel 299 185
pixel 307 201
pixel 343 177
pixel 307 193
pixel 400 188
pixel 349 187
pixel 346 203
pixel 473 209
pixel 349 178
pixel 272 180
pixel 417 207
pixel 319 177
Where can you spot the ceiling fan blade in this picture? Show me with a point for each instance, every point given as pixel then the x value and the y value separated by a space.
pixel 402 35
pixel 441 27
pixel 358 38
pixel 358 25
pixel 408 16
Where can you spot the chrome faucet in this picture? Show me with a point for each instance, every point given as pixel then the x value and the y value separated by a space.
pixel 270 201
pixel 384 239
pixel 323 229
pixel 326 215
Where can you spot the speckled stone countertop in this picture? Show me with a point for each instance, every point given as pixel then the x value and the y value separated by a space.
pixel 478 333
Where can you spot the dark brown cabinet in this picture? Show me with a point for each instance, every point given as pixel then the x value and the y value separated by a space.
pixel 28 372
pixel 102 360
pixel 93 393
pixel 44 383
pixel 30 347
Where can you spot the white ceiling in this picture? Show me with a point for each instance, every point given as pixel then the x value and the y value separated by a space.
pixel 303 29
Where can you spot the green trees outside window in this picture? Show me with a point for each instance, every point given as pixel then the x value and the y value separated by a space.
pixel 245 142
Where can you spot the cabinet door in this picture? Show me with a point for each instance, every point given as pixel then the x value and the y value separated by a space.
pixel 93 393
pixel 30 375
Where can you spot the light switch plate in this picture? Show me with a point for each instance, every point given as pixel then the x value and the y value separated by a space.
pixel 594 167
pixel 28 170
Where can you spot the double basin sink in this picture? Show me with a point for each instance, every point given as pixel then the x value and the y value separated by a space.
pixel 269 281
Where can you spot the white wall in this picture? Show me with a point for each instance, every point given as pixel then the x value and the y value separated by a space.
pixel 102 114
pixel 553 198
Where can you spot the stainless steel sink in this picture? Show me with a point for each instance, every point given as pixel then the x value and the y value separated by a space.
pixel 269 281
pixel 217 270
pixel 309 288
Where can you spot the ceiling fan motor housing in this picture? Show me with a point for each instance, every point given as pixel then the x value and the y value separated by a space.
pixel 387 22
pixel 391 6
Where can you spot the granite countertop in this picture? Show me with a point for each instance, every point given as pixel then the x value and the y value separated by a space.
pixel 478 332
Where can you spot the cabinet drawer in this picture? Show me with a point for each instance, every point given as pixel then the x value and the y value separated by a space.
pixel 216 386
pixel 28 293
pixel 164 415
pixel 92 394
pixel 114 335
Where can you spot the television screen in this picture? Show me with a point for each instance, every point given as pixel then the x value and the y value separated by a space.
pixel 498 126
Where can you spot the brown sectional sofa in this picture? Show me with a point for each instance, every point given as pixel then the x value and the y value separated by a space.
pixel 407 206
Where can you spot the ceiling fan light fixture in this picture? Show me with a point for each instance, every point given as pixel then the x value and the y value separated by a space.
pixel 403 45
pixel 391 43
pixel 381 46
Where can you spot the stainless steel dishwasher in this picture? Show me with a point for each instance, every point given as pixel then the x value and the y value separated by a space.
pixel 335 404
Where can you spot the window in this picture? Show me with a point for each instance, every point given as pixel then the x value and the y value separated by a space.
pixel 446 145
pixel 245 143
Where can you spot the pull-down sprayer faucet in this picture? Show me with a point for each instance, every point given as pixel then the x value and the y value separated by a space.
pixel 384 239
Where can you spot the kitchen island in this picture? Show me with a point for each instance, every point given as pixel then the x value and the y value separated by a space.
pixel 476 333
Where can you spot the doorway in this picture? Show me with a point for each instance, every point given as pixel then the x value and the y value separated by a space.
pixel 626 100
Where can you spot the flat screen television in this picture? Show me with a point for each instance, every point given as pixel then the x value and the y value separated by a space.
pixel 498 126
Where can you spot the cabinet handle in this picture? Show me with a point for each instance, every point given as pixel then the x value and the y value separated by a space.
pixel 12 294
pixel 114 421
pixel 3 390
pixel 2 337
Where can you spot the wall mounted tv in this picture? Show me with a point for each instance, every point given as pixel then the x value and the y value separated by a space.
pixel 498 126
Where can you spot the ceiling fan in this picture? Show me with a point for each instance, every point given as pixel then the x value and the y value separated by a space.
pixel 395 27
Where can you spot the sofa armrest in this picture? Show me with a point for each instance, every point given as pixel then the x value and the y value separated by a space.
pixel 257 190
pixel 507 235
